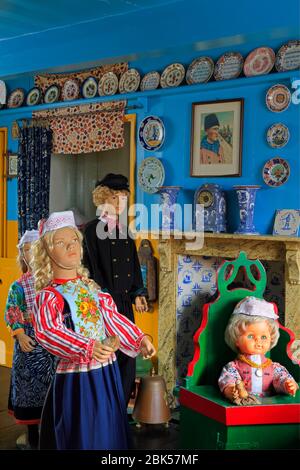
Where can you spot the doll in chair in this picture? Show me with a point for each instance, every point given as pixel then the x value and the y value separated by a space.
pixel 252 331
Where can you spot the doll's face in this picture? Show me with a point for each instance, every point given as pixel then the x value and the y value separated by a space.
pixel 66 248
pixel 118 202
pixel 256 339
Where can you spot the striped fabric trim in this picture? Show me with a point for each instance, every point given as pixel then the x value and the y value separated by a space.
pixel 66 367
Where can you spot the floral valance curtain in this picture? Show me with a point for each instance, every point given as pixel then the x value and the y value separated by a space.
pixel 86 128
pixel 43 81
pixel 33 176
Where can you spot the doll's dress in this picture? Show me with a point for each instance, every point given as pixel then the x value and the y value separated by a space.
pixel 88 404
pixel 258 381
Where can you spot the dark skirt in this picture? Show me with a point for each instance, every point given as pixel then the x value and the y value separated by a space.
pixel 86 411
pixel 31 376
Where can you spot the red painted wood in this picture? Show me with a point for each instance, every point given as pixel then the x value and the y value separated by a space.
pixel 238 416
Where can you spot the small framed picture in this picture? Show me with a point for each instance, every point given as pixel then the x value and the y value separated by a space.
pixel 12 165
pixel 216 141
pixel 287 222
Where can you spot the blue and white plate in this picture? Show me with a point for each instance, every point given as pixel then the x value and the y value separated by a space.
pixel 89 88
pixel 52 94
pixel 151 133
pixel 151 175
pixel 34 96
pixel 278 135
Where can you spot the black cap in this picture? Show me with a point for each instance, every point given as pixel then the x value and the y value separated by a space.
pixel 113 181
pixel 210 121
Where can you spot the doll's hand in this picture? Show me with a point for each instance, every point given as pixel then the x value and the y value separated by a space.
pixel 26 343
pixel 291 387
pixel 141 304
pixel 231 392
pixel 147 349
pixel 101 352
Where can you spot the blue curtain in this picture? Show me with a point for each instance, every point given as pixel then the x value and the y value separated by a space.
pixel 33 176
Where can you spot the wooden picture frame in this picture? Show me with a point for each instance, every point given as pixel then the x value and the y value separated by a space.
pixel 216 138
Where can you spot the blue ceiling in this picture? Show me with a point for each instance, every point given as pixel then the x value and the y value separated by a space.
pixel 27 17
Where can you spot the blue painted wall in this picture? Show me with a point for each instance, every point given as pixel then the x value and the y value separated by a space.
pixel 175 109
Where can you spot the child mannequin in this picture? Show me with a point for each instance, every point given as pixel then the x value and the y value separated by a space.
pixel 110 256
pixel 85 408
pixel 33 367
pixel 252 331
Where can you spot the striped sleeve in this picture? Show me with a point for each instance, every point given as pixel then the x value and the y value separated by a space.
pixel 117 324
pixel 53 335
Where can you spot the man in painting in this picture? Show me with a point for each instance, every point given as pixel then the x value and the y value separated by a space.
pixel 211 150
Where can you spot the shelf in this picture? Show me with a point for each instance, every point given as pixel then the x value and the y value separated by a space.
pixel 141 97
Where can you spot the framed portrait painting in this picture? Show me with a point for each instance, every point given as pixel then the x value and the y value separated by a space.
pixel 216 141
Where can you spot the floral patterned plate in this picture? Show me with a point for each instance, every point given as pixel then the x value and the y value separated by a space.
pixel 129 82
pixel 278 98
pixel 151 133
pixel 259 62
pixel 89 87
pixel 276 172
pixel 70 90
pixel 34 96
pixel 278 135
pixel 200 70
pixel 229 66
pixel 288 56
pixel 16 98
pixel 108 84
pixel 52 94
pixel 150 81
pixel 151 175
pixel 172 76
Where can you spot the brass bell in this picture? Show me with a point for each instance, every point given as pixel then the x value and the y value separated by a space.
pixel 151 405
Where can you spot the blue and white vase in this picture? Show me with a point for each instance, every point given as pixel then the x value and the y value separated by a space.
pixel 246 198
pixel 168 195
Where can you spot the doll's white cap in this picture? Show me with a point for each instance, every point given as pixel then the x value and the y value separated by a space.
pixel 55 221
pixel 29 236
pixel 253 306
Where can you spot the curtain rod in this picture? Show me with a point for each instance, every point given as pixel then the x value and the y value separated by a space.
pixel 109 110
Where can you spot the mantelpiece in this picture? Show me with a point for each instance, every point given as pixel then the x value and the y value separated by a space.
pixel 264 247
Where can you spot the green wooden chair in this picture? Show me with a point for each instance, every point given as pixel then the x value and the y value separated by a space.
pixel 207 419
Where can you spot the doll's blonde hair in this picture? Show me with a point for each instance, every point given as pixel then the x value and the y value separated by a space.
pixel 102 193
pixel 21 261
pixel 41 262
pixel 238 323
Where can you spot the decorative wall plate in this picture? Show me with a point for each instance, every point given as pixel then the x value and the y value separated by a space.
pixel 52 94
pixel 16 98
pixel 34 96
pixel 150 81
pixel 70 90
pixel 151 175
pixel 260 61
pixel 151 133
pixel 200 70
pixel 108 84
pixel 278 135
pixel 89 88
pixel 129 81
pixel 228 66
pixel 2 93
pixel 276 172
pixel 288 56
pixel 278 98
pixel 172 75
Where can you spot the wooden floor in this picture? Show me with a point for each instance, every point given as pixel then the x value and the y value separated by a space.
pixel 147 437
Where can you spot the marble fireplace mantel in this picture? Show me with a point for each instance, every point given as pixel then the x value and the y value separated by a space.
pixel 264 247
